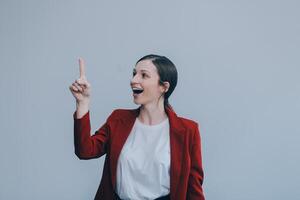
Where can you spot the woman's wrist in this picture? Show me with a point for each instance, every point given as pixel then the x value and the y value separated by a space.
pixel 82 107
pixel 83 103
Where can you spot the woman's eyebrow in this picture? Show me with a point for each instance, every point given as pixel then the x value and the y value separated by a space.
pixel 142 70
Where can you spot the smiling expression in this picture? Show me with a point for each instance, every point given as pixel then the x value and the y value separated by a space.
pixel 145 83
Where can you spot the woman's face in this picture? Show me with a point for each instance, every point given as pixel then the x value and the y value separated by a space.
pixel 145 83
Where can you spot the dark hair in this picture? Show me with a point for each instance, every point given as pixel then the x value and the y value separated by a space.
pixel 166 71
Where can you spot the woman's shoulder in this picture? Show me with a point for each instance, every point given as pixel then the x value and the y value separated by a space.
pixel 189 123
pixel 192 127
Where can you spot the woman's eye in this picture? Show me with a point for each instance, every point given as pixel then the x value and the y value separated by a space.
pixel 133 74
pixel 144 75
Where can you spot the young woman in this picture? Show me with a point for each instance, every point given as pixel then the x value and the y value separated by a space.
pixel 151 153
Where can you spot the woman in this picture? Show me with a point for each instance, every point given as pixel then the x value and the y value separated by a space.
pixel 151 153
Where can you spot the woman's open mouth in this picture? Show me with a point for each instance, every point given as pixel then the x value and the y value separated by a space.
pixel 137 90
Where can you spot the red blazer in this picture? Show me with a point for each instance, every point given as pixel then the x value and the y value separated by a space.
pixel 186 172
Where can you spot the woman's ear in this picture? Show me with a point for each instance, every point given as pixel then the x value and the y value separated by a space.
pixel 166 86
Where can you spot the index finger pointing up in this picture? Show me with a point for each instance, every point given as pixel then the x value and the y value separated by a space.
pixel 81 68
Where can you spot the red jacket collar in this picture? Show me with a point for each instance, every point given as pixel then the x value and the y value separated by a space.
pixel 175 121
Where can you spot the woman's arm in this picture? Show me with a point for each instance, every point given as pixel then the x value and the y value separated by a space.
pixel 87 146
pixel 195 190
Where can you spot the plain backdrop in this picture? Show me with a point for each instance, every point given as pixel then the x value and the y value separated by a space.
pixel 238 65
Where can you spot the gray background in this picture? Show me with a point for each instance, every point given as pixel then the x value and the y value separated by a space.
pixel 238 64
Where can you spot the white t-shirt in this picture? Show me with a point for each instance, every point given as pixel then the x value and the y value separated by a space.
pixel 143 170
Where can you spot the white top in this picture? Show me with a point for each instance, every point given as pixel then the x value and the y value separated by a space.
pixel 143 170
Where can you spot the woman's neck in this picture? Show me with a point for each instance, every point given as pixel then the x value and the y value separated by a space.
pixel 152 114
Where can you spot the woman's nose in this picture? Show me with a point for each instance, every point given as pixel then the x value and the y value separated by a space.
pixel 134 79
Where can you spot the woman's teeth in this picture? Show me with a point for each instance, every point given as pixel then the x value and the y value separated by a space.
pixel 137 90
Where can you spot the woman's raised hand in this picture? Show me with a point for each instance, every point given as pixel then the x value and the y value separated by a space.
pixel 81 88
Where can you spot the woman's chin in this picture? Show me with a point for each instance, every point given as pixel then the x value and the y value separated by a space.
pixel 136 101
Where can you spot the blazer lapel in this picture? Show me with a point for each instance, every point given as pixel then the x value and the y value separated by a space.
pixel 176 140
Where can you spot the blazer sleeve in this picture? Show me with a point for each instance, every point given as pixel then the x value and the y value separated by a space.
pixel 195 190
pixel 87 146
